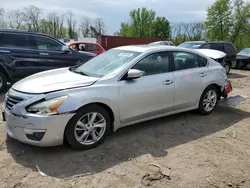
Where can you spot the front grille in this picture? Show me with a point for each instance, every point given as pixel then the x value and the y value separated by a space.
pixel 11 101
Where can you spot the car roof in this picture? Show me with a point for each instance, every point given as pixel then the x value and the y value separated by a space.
pixel 195 41
pixel 16 31
pixel 145 48
pixel 82 42
pixel 218 42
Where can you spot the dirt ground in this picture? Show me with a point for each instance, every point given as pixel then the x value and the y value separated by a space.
pixel 201 151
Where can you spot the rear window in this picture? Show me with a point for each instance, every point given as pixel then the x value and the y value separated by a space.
pixel 203 61
pixel 217 46
pixel 192 45
pixel 229 48
pixel 14 41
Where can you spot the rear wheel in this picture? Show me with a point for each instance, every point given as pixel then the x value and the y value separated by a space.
pixel 208 100
pixel 88 128
pixel 240 65
pixel 3 82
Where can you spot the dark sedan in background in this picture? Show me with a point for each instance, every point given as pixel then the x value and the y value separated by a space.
pixel 243 59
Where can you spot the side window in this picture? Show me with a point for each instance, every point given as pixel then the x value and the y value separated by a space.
pixel 171 43
pixel 91 47
pixel 44 43
pixel 156 63
pixel 183 60
pixel 202 61
pixel 15 41
pixel 206 46
pixel 229 48
pixel 82 47
pixel 166 43
pixel 217 46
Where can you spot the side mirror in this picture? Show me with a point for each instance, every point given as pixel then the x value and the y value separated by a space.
pixel 134 74
pixel 65 48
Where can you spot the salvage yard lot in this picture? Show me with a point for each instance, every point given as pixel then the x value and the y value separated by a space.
pixel 202 151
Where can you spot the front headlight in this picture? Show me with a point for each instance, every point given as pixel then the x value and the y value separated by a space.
pixel 48 107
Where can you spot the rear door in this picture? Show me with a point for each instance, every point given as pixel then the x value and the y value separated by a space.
pixel 18 54
pixel 190 75
pixel 50 54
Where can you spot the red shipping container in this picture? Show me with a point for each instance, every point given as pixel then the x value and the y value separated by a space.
pixel 108 42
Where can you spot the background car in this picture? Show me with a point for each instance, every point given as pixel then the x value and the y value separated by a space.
pixel 226 47
pixel 23 53
pixel 87 47
pixel 243 59
pixel 167 43
pixel 119 87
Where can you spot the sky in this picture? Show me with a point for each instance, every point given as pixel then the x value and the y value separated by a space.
pixel 114 12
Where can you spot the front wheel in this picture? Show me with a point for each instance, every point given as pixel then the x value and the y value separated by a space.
pixel 208 100
pixel 3 82
pixel 88 128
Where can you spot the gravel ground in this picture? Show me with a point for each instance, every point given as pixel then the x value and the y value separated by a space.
pixel 201 151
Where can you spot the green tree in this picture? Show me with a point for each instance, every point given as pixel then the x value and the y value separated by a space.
pixel 124 30
pixel 229 20
pixel 144 23
pixel 161 28
pixel 241 17
pixel 71 25
pixel 219 20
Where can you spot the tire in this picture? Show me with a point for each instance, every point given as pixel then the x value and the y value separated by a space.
pixel 240 65
pixel 202 110
pixel 87 128
pixel 3 82
pixel 227 67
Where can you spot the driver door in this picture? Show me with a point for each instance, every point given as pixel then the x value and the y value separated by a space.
pixel 50 54
pixel 151 94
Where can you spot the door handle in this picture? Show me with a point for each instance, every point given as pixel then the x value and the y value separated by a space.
pixel 167 82
pixel 44 54
pixel 203 74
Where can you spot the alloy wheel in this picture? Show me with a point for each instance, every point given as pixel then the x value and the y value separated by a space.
pixel 90 128
pixel 210 100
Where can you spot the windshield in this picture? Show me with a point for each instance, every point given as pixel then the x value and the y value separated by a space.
pixel 192 45
pixel 245 51
pixel 106 62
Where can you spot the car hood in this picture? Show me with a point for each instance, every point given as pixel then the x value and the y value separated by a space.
pixel 242 56
pixel 53 80
pixel 214 54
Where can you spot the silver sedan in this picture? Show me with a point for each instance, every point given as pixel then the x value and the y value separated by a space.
pixel 120 87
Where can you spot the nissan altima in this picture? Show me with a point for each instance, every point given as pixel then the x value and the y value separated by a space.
pixel 120 87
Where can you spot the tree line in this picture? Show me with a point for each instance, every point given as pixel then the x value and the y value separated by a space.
pixel 32 18
pixel 227 20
